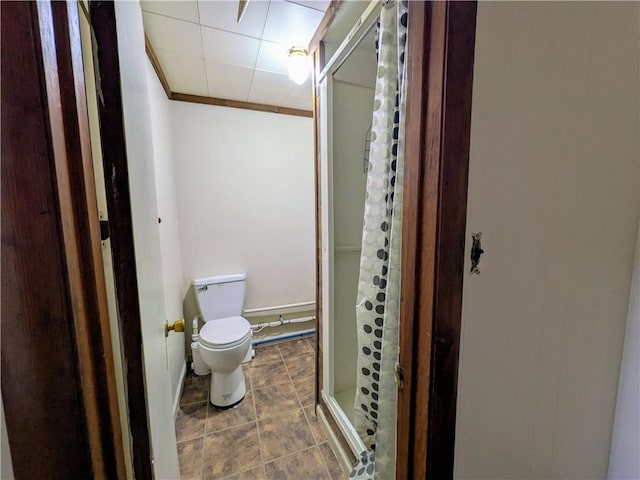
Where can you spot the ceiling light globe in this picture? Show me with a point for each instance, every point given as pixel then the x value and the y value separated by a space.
pixel 299 65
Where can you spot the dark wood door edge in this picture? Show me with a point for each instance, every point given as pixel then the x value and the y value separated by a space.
pixel 114 154
pixel 84 250
pixel 58 380
pixel 437 163
pixel 415 330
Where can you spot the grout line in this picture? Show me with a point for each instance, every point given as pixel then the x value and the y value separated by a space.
pixel 205 418
pixel 255 413
pixel 204 57
pixel 304 414
pixel 311 447
pixel 202 460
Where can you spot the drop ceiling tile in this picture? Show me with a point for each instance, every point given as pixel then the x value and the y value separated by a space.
pixel 231 48
pixel 291 24
pixel 321 5
pixel 304 90
pixel 273 57
pixel 266 96
pixel 301 103
pixel 228 91
pixel 223 15
pixel 229 74
pixel 271 81
pixel 184 10
pixel 173 35
pixel 181 64
pixel 192 86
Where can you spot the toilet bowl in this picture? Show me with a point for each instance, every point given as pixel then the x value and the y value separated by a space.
pixel 224 341
pixel 223 345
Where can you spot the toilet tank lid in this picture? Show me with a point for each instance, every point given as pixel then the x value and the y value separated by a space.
pixel 238 277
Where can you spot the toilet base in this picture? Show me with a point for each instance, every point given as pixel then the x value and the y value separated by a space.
pixel 227 389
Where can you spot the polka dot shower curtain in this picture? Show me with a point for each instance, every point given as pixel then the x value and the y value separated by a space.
pixel 377 306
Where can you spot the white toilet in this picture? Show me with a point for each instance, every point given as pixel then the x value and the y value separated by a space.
pixel 225 338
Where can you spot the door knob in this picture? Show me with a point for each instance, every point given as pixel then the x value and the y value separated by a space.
pixel 177 326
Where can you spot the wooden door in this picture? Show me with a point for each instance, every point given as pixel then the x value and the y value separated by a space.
pixel 127 152
pixel 440 78
pixel 58 385
pixel 553 187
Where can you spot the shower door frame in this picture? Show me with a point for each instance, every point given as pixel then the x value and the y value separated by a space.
pixel 440 58
pixel 323 85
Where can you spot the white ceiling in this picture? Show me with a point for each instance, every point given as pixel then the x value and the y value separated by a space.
pixel 204 51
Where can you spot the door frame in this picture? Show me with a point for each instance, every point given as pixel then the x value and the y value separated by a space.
pixel 115 164
pixel 441 46
pixel 434 222
pixel 57 359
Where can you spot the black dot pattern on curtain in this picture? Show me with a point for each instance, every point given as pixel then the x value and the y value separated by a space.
pixel 373 386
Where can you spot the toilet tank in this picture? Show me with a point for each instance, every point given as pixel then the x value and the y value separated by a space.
pixel 221 296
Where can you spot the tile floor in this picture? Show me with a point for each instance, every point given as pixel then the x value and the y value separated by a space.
pixel 273 434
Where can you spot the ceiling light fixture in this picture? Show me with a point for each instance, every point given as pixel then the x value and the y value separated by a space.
pixel 299 65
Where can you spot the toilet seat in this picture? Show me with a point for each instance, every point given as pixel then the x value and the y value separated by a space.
pixel 225 332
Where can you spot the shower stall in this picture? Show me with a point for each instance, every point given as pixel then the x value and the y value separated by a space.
pixel 345 89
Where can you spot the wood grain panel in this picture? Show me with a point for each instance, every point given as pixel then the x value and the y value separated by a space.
pixel 441 47
pixel 415 331
pixel 221 102
pixel 454 143
pixel 87 279
pixel 43 402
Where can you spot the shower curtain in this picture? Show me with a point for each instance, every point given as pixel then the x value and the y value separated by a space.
pixel 377 306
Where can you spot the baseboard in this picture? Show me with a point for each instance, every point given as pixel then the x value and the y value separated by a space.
pixel 178 392
pixel 345 460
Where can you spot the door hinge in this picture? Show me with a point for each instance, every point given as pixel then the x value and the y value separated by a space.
pixel 399 374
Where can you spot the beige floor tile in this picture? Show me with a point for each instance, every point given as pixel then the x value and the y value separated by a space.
pixel 231 451
pixel 246 369
pixel 312 342
pixel 268 374
pixel 294 348
pixel 284 434
pixel 254 474
pixel 266 354
pixel 196 389
pixel 305 465
pixel 190 421
pixel 231 417
pixel 276 399
pixel 317 429
pixel 190 458
pixel 300 365
pixel 306 389
pixel 332 462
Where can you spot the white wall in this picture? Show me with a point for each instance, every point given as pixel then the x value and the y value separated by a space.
pixel 553 186
pixel 169 229
pixel 624 462
pixel 245 195
pixel 352 113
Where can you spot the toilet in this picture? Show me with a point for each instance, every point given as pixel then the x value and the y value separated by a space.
pixel 225 338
